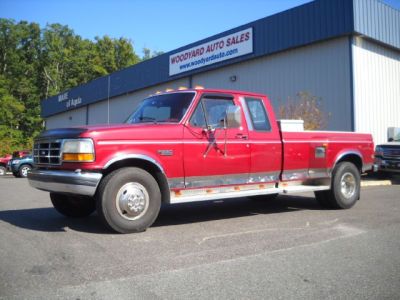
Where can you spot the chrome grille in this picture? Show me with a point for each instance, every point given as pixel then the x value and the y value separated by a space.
pixel 47 152
pixel 391 153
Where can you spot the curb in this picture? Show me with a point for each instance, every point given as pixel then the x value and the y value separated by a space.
pixel 365 183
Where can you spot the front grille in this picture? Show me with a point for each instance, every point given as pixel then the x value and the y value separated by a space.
pixel 47 152
pixel 391 153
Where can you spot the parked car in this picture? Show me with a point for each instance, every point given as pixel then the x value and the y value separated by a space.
pixel 4 164
pixel 21 166
pixel 21 154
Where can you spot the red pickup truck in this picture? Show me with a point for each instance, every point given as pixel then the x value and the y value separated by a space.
pixel 193 145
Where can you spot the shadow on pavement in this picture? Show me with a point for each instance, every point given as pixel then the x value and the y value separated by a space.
pixel 382 176
pixel 197 212
pixel 49 220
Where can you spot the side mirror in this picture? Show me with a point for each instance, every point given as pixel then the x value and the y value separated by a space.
pixel 233 116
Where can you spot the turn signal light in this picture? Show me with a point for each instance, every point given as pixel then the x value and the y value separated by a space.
pixel 78 157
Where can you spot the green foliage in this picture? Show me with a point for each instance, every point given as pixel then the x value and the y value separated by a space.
pixel 37 63
pixel 147 53
pixel 305 107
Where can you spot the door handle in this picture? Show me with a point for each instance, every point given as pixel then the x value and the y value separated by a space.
pixel 242 136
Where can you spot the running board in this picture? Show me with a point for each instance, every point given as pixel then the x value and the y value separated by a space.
pixel 209 194
pixel 305 188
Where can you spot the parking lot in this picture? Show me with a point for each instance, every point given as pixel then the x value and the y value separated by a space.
pixel 288 248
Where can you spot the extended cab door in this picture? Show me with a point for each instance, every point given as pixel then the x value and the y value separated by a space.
pixel 265 140
pixel 214 156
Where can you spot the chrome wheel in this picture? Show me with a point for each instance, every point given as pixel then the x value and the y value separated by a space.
pixel 24 170
pixel 348 185
pixel 132 201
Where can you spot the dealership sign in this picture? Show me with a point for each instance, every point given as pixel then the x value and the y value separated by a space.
pixel 227 47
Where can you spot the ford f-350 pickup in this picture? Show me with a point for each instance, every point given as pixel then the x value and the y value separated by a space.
pixel 193 145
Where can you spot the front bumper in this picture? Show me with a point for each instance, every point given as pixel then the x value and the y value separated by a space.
pixel 72 182
pixel 386 165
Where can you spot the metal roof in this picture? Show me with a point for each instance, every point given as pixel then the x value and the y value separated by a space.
pixel 309 23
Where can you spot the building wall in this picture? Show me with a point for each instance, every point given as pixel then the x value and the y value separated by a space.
pixel 76 117
pixel 376 88
pixel 322 69
pixel 378 21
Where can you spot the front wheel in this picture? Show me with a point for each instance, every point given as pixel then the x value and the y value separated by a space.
pixel 128 200
pixel 23 170
pixel 73 206
pixel 345 188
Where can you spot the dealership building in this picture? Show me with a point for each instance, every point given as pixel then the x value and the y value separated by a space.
pixel 345 51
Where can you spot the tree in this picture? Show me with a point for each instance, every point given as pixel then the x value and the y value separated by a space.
pixel 307 108
pixel 147 53
pixel 111 55
pixel 37 63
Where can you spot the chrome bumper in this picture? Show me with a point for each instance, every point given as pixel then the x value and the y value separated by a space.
pixel 80 183
pixel 387 165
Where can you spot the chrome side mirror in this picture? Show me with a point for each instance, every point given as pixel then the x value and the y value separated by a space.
pixel 233 116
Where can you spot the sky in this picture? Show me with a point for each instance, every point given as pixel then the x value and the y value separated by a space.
pixel 155 24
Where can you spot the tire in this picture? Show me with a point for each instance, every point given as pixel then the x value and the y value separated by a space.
pixel 16 174
pixel 3 171
pixel 73 206
pixel 345 188
pixel 128 200
pixel 23 170
pixel 260 198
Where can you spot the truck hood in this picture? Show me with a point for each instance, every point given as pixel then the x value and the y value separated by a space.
pixel 397 144
pixel 113 131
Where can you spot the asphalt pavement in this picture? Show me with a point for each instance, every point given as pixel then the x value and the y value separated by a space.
pixel 288 248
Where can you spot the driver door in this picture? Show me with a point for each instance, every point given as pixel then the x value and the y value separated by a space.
pixel 214 156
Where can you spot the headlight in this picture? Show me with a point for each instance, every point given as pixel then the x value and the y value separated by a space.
pixel 81 150
pixel 15 162
pixel 378 151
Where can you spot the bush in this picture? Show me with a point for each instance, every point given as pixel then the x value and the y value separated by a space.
pixel 307 108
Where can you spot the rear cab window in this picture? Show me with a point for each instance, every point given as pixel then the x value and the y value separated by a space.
pixel 258 114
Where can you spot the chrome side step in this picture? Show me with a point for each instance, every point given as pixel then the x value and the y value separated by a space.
pixel 208 194
pixel 305 188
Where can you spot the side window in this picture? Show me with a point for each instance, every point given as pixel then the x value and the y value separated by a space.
pixel 258 114
pixel 216 110
pixel 198 119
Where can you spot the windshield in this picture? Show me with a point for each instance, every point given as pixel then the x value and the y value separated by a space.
pixel 162 108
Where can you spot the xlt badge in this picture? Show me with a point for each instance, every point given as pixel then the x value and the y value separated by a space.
pixel 166 152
